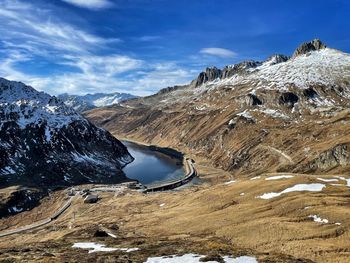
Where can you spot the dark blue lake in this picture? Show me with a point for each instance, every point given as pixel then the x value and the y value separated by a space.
pixel 151 166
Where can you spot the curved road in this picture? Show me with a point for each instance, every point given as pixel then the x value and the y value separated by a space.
pixel 151 188
pixel 176 183
pixel 40 223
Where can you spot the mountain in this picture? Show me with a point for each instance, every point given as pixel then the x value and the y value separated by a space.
pixel 46 144
pixel 282 114
pixel 90 101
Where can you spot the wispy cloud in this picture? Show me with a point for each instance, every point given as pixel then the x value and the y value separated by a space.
pixel 90 4
pixel 29 34
pixel 218 52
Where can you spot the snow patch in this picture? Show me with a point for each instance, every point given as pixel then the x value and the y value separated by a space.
pixel 319 219
pixel 277 177
pixel 327 180
pixel 295 188
pixel 95 247
pixel 230 182
pixel 255 178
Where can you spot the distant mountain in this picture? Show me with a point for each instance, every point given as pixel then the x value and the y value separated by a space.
pixel 90 101
pixel 284 114
pixel 45 144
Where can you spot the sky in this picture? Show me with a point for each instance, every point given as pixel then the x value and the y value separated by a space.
pixel 141 46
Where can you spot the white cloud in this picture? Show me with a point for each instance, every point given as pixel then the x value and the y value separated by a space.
pixel 109 65
pixel 30 34
pixel 90 4
pixel 218 52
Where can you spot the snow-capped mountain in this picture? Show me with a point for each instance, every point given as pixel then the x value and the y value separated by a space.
pixel 324 66
pixel 90 101
pixel 287 113
pixel 46 144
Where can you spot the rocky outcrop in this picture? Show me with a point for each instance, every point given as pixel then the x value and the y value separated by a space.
pixel 278 58
pixel 306 47
pixel 239 68
pixel 20 200
pixel 254 100
pixel 208 75
pixel 169 89
pixel 288 99
pixel 330 159
pixel 310 93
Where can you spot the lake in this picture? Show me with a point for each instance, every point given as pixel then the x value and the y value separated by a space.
pixel 151 166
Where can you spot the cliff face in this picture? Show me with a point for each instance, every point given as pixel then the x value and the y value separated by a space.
pixel 282 114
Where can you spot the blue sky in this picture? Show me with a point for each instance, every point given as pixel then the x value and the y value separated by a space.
pixel 140 46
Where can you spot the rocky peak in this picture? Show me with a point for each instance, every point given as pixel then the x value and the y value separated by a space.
pixel 277 58
pixel 306 47
pixel 231 70
pixel 209 74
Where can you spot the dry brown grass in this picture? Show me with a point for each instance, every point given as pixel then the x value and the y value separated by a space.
pixel 208 219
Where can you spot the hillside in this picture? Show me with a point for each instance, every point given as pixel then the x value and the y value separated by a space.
pixel 284 114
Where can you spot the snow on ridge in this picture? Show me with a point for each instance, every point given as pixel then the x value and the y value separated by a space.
pixel 273 113
pixel 324 67
pixel 24 105
pixel 88 101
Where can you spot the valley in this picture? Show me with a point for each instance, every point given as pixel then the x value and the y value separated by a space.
pixel 267 143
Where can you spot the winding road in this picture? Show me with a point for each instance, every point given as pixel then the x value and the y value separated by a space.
pixel 191 173
pixel 40 223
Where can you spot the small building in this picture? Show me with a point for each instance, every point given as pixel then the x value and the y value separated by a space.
pixel 90 199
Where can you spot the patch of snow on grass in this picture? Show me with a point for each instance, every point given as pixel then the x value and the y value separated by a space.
pixel 277 177
pixel 95 247
pixel 230 182
pixel 255 178
pixel 327 180
pixel 319 219
pixel 295 188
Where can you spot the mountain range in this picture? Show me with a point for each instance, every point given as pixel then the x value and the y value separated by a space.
pixel 287 113
pixel 90 101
